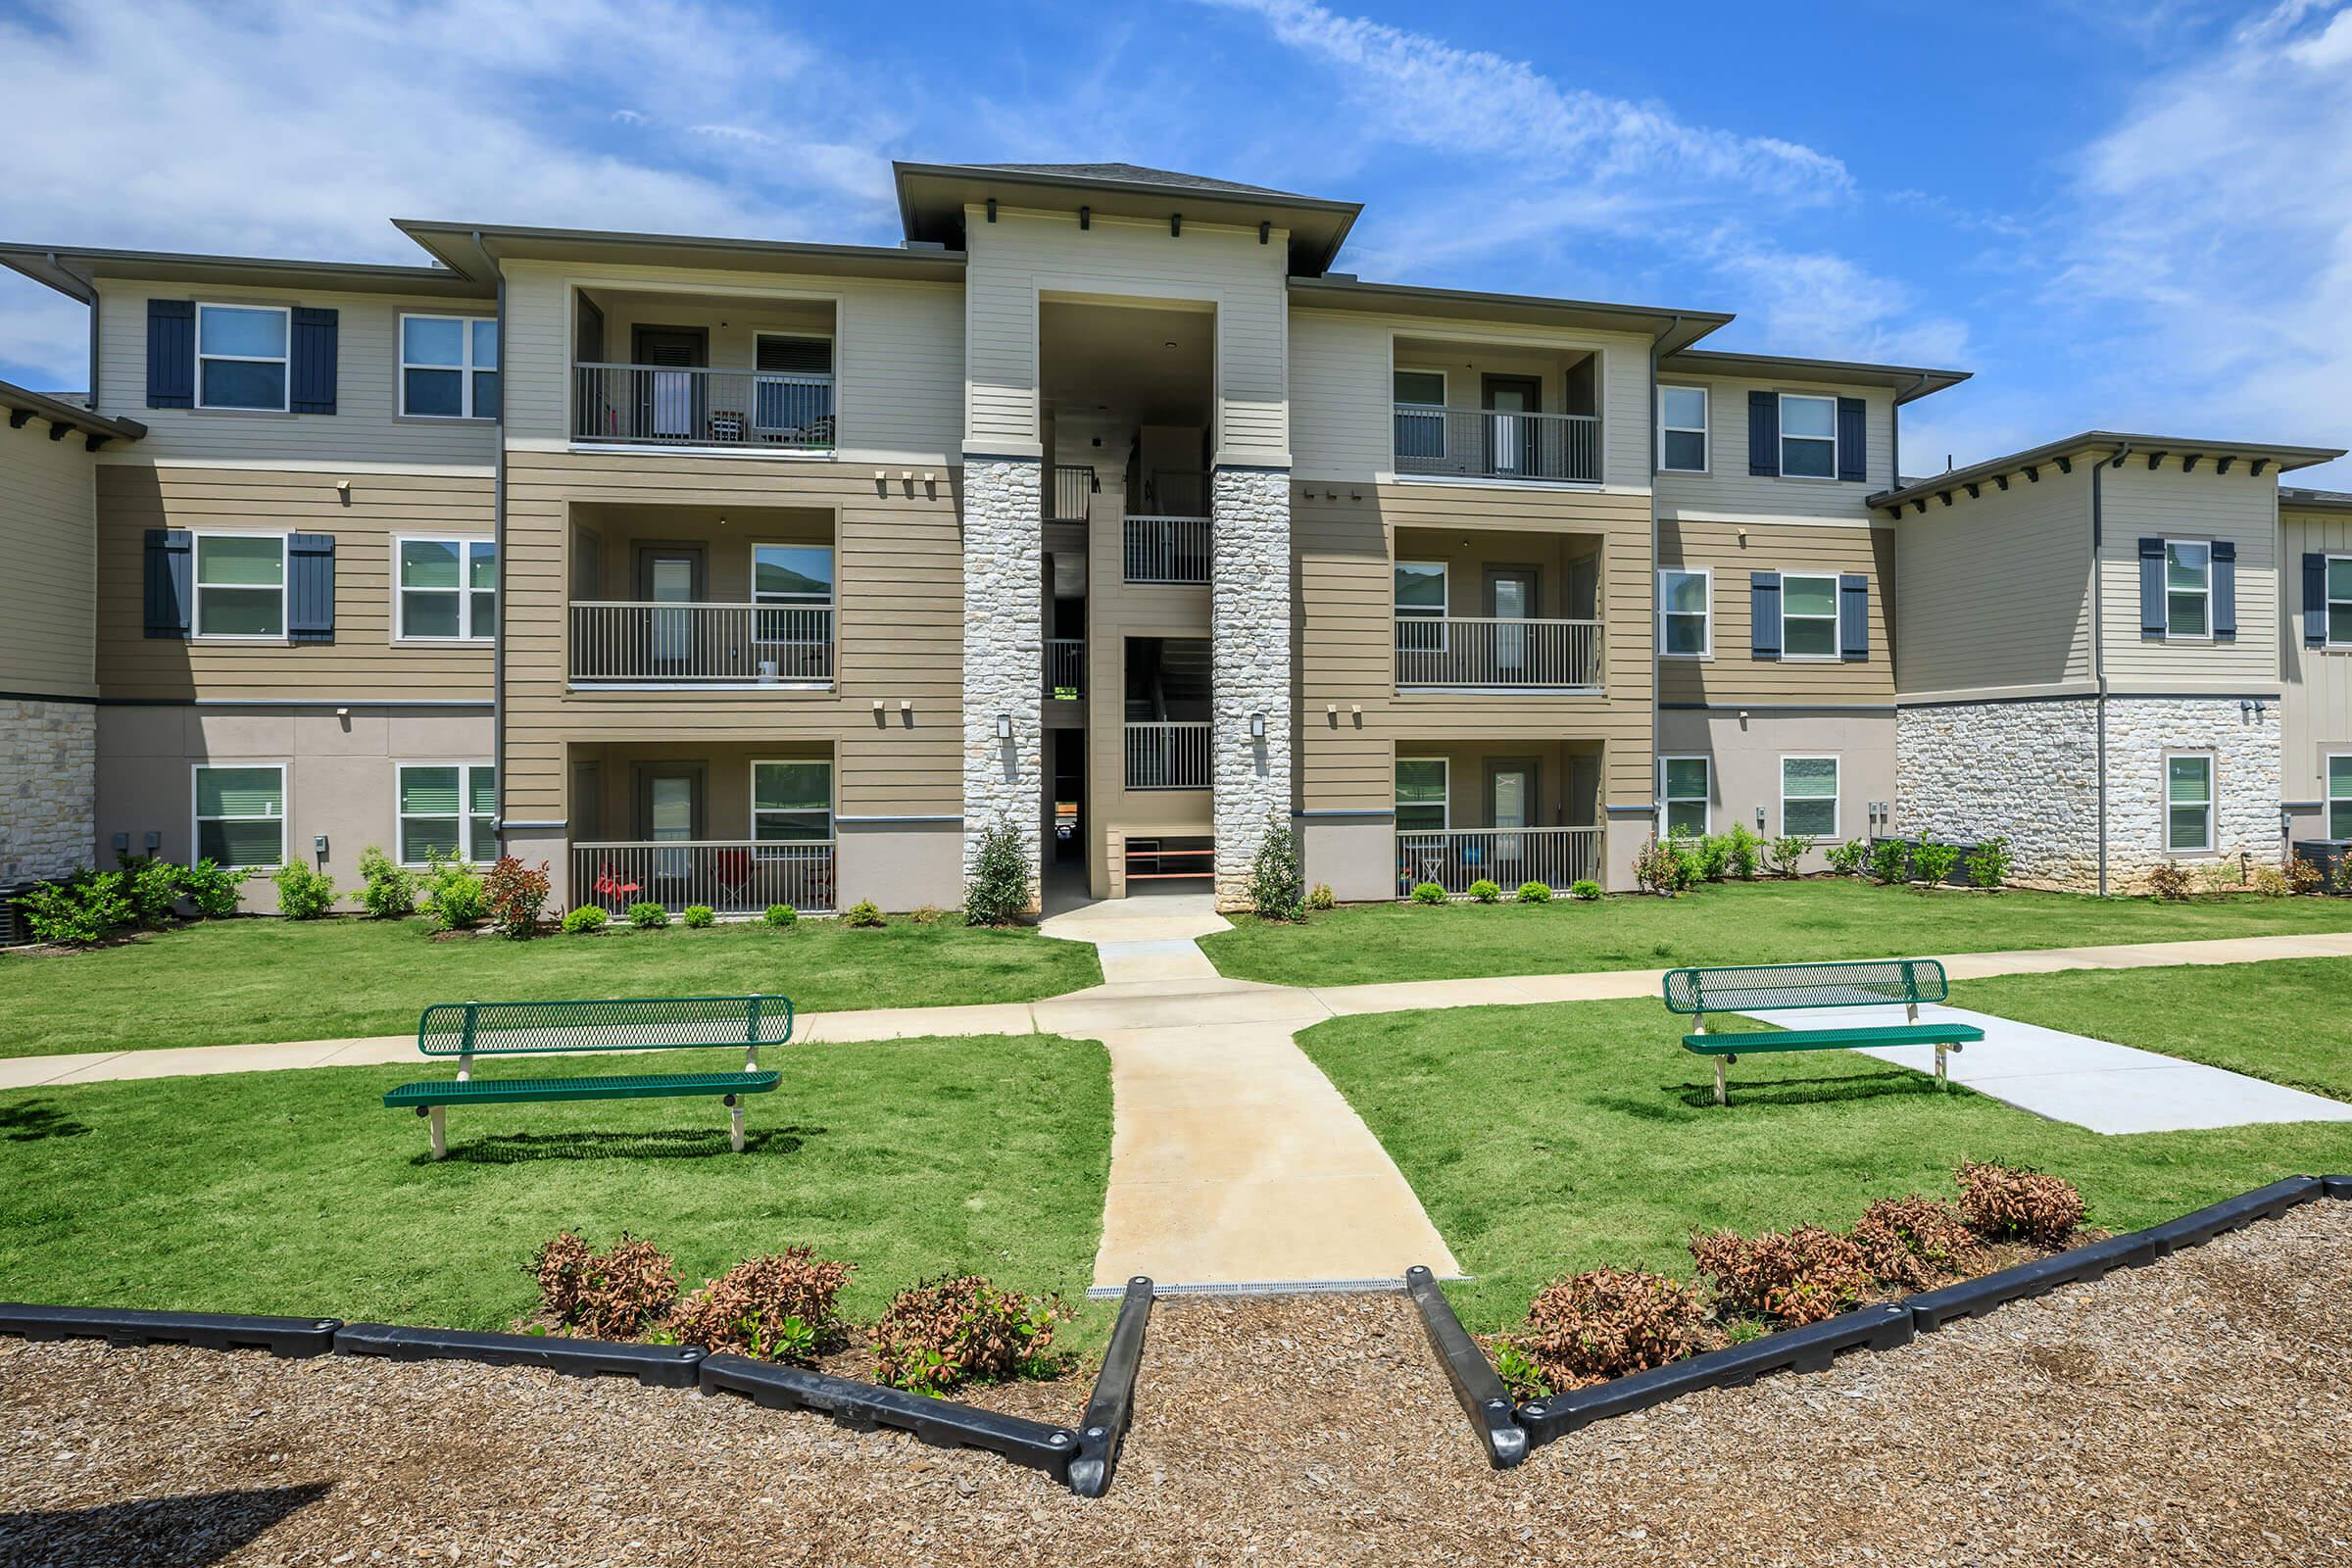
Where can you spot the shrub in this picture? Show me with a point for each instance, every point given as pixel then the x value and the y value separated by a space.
pixel 586 920
pixel 1664 865
pixel 777 1308
pixel 698 917
pixel 1710 857
pixel 79 911
pixel 452 895
pixel 783 914
pixel 646 916
pixel 1786 853
pixel 153 888
pixel 302 893
pixel 2172 881
pixel 2268 881
pixel 1890 863
pixel 1799 1276
pixel 997 892
pixel 865 916
pixel 561 1265
pixel 1277 888
pixel 1485 890
pixel 1589 1328
pixel 1585 891
pixel 2304 877
pixel 1535 893
pixel 2003 1203
pixel 514 895
pixel 1427 893
pixel 213 889
pixel 605 1295
pixel 1847 859
pixel 1320 898
pixel 945 1332
pixel 387 888
pixel 1739 850
pixel 1931 861
pixel 1911 1241
pixel 1991 863
pixel 925 915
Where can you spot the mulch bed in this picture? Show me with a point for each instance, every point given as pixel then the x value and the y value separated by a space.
pixel 2188 1412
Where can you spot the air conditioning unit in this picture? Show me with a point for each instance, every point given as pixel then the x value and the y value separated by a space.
pixel 13 932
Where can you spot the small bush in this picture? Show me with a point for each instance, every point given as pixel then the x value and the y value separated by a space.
pixel 1535 893
pixel 153 889
pixel 2304 877
pixel 514 894
pixel 79 911
pixel 1847 859
pixel 1710 857
pixel 1427 893
pixel 864 916
pixel 1589 1328
pixel 1663 865
pixel 2268 881
pixel 454 899
pixel 1585 891
pixel 776 1309
pixel 1485 890
pixel 1320 898
pixel 2171 882
pixel 1786 853
pixel 213 888
pixel 610 1294
pixel 925 915
pixel 1931 861
pixel 1799 1276
pixel 1741 847
pixel 302 893
pixel 2005 1203
pixel 1276 887
pixel 646 916
pixel 698 917
pixel 1890 863
pixel 997 892
pixel 1909 1243
pixel 944 1333
pixel 586 920
pixel 560 1266
pixel 387 888
pixel 1991 863
pixel 781 914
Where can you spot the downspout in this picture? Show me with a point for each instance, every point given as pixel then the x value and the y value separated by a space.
pixel 2098 643
pixel 498 549
pixel 1657 807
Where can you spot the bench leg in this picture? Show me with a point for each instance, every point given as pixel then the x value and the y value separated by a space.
pixel 735 1122
pixel 1943 1079
pixel 434 1116
pixel 1719 1095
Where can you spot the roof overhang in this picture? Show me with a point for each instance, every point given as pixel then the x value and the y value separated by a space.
pixel 932 198
pixel 77 272
pixel 65 419
pixel 1907 381
pixel 2255 457
pixel 476 249
pixel 2292 500
pixel 1670 329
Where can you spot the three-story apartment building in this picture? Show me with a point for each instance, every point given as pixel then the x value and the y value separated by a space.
pixel 745 572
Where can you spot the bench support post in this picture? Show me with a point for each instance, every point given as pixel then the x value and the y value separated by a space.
pixel 735 1123
pixel 1720 1097
pixel 440 1128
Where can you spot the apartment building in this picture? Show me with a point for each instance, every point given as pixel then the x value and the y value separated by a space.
pixel 1103 505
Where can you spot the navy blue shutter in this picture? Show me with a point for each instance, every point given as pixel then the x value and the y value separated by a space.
pixel 1853 615
pixel 2224 590
pixel 1764 433
pixel 170 354
pixel 2315 601
pixel 1854 454
pixel 171 578
pixel 2151 587
pixel 1764 614
pixel 311 587
pixel 314 368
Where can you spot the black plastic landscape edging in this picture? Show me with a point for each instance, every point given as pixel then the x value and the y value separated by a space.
pixel 862 1407
pixel 288 1337
pixel 2336 1186
pixel 2234 1214
pixel 1484 1398
pixel 657 1367
pixel 1932 1309
pixel 1110 1408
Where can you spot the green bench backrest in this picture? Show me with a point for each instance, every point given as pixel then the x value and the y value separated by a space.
pixel 636 1023
pixel 1871 983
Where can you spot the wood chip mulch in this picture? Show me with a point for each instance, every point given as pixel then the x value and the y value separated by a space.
pixel 2190 1412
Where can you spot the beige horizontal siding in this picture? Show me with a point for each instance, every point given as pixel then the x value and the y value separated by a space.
pixel 1735 674
pixel 1728 490
pixel 49 540
pixel 2166 502
pixel 2318 680
pixel 1994 591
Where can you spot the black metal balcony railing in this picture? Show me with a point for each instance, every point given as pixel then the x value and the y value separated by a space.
pixel 1474 651
pixel 1168 754
pixel 1071 499
pixel 615 643
pixel 646 405
pixel 1065 668
pixel 1166 550
pixel 737 876
pixel 1508 856
pixel 1490 443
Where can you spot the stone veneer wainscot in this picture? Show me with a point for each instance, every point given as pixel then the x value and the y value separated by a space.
pixel 1249 626
pixel 48 787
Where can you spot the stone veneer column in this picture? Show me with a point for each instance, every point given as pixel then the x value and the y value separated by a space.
pixel 1250 631
pixel 48 787
pixel 1003 651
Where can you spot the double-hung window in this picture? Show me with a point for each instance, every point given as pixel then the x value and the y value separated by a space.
pixel 1685 626
pixel 2339 601
pixel 448 588
pixel 1683 429
pixel 240 585
pixel 1420 413
pixel 792 803
pixel 1685 789
pixel 1809 796
pixel 449 810
pixel 792 388
pixel 2339 796
pixel 1808 436
pixel 241 355
pixel 241 815
pixel 448 367
pixel 2189 802
pixel 792 586
pixel 1808 616
pixel 1421 801
pixel 1421 596
pixel 2187 588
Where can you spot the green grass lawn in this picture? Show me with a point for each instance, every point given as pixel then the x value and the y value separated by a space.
pixel 299 1193
pixel 1762 922
pixel 1545 1140
pixel 234 981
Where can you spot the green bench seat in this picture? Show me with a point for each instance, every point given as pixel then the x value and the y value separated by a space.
pixel 520 1091
pixel 1775 987
pixel 1730 1048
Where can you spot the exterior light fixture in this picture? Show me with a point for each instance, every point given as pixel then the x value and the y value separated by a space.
pixel 1258 726
pixel 1004 726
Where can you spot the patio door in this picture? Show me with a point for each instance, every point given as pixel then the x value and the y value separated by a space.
pixel 669 810
pixel 1511 596
pixel 670 574
pixel 1511 439
pixel 1511 801
pixel 669 392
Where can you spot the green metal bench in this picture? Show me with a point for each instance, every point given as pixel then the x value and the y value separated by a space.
pixel 1770 987
pixel 469 1029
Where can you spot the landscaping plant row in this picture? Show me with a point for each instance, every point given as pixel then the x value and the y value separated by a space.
pixel 1630 1318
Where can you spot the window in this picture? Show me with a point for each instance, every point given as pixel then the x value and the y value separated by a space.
pixel 1421 806
pixel 1420 413
pixel 241 355
pixel 241 815
pixel 1808 437
pixel 1683 429
pixel 792 803
pixel 1684 629
pixel 2189 802
pixel 1421 596
pixel 1685 791
pixel 2339 796
pixel 1808 616
pixel 448 367
pixel 240 585
pixel 792 575
pixel 2339 601
pixel 2187 588
pixel 448 588
pixel 1809 796
pixel 793 391
pixel 447 809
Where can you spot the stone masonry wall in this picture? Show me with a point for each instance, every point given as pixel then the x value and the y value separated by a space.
pixel 1249 627
pixel 1003 651
pixel 2246 748
pixel 48 787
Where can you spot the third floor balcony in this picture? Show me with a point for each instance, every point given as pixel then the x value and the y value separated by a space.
pixel 690 371
pixel 1488 411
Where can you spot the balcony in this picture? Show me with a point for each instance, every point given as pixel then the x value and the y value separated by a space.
pixel 1168 754
pixel 1072 496
pixel 679 406
pixel 639 643
pixel 1494 654
pixel 1455 857
pixel 1065 668
pixel 1165 550
pixel 1487 443
pixel 732 877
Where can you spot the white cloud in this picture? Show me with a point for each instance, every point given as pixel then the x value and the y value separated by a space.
pixel 1823 304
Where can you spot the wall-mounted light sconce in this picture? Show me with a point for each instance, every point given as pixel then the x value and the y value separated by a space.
pixel 1258 726
pixel 1004 726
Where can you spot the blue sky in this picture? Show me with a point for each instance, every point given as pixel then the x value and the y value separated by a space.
pixel 2121 215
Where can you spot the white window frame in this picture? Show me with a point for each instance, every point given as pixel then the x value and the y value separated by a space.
pixel 752 803
pixel 196 586
pixel 1781 455
pixel 2329 801
pixel 1706 799
pixel 1834 617
pixel 2206 592
pixel 284 361
pixel 779 602
pixel 2213 800
pixel 1444 385
pixel 1836 796
pixel 196 820
pixel 1445 802
pixel 1442 618
pixel 466 811
pixel 1706 575
pixel 464 591
pixel 466 369
pixel 1704 429
pixel 2329 601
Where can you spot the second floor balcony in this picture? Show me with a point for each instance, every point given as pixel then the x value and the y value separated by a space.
pixel 701 597
pixel 648 642
pixel 1491 652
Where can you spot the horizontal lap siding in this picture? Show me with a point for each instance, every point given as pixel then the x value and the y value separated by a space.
pixel 361 663
pixel 2137 503
pixel 2318 680
pixel 1994 591
pixel 1728 490
pixel 1735 674
pixel 48 537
